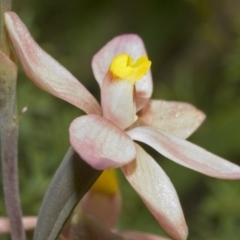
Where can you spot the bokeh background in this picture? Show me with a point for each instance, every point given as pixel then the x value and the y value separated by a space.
pixel 195 49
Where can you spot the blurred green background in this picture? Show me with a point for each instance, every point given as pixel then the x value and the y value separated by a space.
pixel 195 49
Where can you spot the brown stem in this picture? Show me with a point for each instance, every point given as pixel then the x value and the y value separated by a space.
pixel 9 130
pixel 10 177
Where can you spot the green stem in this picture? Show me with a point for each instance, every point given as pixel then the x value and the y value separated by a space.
pixel 9 130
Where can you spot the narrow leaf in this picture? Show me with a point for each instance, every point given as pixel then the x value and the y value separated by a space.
pixel 71 181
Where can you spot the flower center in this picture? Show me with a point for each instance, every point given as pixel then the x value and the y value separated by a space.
pixel 106 183
pixel 124 67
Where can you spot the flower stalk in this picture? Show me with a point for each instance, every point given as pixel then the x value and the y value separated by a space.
pixel 9 129
pixel 5 5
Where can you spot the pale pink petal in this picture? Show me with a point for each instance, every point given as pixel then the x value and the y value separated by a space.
pixel 156 190
pixel 104 207
pixel 100 142
pixel 134 235
pixel 117 100
pixel 29 223
pixel 8 69
pixel 177 118
pixel 186 153
pixel 46 72
pixel 132 45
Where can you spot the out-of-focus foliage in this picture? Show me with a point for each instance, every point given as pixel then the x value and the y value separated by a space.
pixel 195 49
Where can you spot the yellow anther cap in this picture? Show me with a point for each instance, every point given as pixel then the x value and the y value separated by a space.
pixel 123 67
pixel 106 183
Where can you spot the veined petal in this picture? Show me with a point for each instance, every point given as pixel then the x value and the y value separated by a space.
pixel 177 118
pixel 100 142
pixel 132 45
pixel 104 207
pixel 186 153
pixel 156 190
pixel 134 235
pixel 45 71
pixel 117 100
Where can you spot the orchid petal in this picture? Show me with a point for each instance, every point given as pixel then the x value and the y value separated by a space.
pixel 100 142
pixel 156 190
pixel 186 153
pixel 104 207
pixel 29 223
pixel 134 235
pixel 132 45
pixel 118 102
pixel 46 72
pixel 177 118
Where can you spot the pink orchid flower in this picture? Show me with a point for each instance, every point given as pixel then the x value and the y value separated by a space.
pixel 104 137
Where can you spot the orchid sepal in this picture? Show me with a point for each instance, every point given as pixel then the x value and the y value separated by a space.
pixel 178 118
pixel 157 192
pixel 186 153
pixel 45 71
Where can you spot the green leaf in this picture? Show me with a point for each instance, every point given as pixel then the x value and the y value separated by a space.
pixel 71 181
